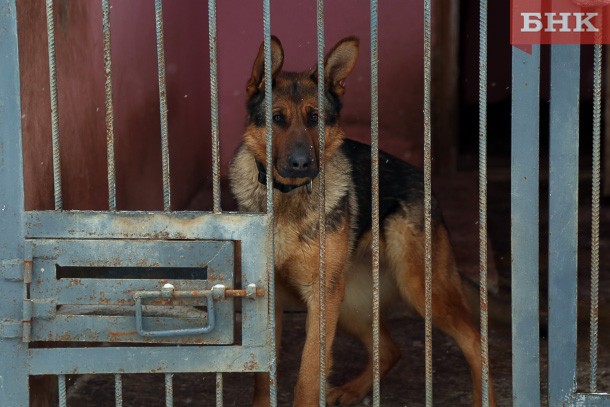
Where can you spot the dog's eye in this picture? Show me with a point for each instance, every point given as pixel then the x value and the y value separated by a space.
pixel 278 118
pixel 313 119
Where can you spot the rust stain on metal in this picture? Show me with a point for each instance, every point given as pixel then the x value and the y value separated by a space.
pixel 260 292
pixel 102 298
pixel 92 335
pixel 146 263
pixel 161 369
pixel 64 337
pixel 214 278
pixel 252 364
pixel 74 281
pixel 27 271
pixel 114 335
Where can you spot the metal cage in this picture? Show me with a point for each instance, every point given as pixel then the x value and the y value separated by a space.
pixel 33 241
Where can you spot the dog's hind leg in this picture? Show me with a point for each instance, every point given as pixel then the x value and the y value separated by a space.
pixel 404 250
pixel 389 353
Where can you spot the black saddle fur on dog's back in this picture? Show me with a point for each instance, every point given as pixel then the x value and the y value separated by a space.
pixel 400 183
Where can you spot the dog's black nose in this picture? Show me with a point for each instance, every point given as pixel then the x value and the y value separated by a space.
pixel 299 161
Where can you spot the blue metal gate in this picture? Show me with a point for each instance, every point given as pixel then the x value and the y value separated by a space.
pixel 563 228
pixel 60 279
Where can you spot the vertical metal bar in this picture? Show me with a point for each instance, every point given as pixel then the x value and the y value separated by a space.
pixel 14 388
pixel 219 390
pixel 61 382
pixel 169 390
pixel 524 226
pixel 605 178
pixel 375 196
pixel 595 202
pixel 109 106
pixel 483 201
pixel 563 225
pixel 54 108
pixel 321 199
pixel 163 104
pixel 118 390
pixel 214 104
pixel 270 213
pixel 428 196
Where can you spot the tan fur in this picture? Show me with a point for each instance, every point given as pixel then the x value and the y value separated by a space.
pixel 348 261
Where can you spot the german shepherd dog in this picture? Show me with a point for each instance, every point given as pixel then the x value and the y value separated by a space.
pixel 348 226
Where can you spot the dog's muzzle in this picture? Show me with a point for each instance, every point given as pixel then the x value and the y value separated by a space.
pixel 262 178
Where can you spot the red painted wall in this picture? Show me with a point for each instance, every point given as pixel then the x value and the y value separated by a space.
pixel 135 92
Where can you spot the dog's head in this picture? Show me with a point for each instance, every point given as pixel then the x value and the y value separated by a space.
pixel 295 111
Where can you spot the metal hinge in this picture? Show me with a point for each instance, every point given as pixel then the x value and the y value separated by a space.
pixel 19 270
pixel 27 302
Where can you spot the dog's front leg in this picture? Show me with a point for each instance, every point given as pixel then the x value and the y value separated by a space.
pixel 307 391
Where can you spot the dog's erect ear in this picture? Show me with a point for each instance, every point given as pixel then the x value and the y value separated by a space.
pixel 339 63
pixel 258 69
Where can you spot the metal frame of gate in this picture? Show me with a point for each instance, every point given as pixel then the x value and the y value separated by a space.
pixel 37 296
pixel 32 242
pixel 563 227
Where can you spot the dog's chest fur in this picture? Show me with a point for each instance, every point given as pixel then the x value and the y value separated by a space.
pixel 296 212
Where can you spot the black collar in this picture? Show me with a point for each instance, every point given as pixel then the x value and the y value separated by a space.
pixel 262 178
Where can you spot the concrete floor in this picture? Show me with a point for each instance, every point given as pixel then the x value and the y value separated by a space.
pixel 404 385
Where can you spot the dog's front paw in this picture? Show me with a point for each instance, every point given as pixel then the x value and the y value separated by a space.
pixel 345 395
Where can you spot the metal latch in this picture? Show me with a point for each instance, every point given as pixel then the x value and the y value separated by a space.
pixel 218 292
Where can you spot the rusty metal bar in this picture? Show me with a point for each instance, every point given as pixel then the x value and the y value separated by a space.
pixel 218 292
pixel 270 235
pixel 375 197
pixel 54 107
pixel 163 105
pixel 483 201
pixel 321 200
pixel 219 390
pixel 595 202
pixel 260 292
pixel 61 383
pixel 169 390
pixel 118 390
pixel 214 105
pixel 428 196
pixel 109 106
